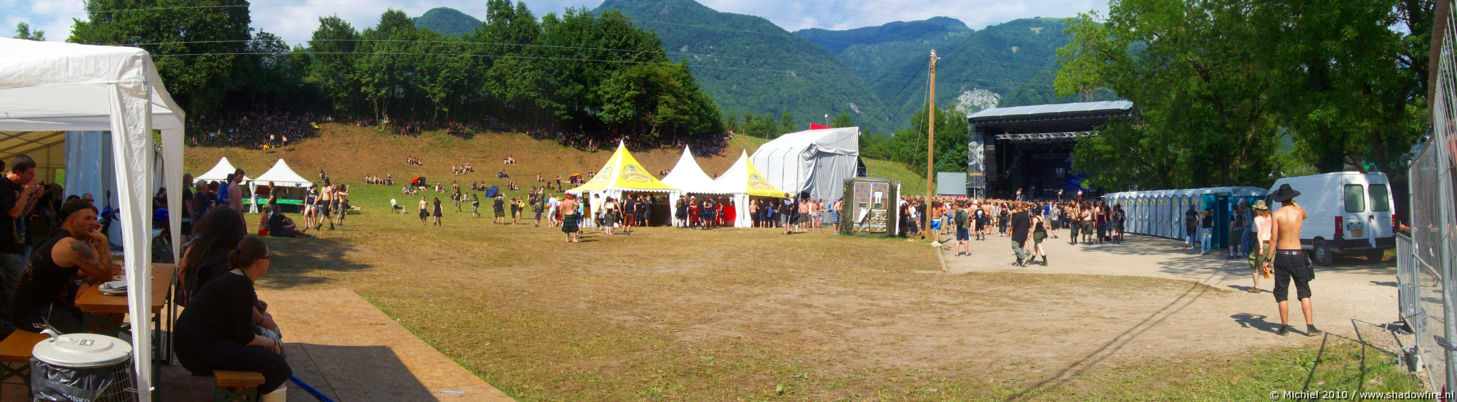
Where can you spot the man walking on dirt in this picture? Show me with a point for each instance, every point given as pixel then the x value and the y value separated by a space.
pixel 1021 225
pixel 1288 259
pixel 962 235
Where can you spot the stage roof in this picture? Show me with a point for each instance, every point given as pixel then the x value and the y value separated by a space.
pixel 1056 120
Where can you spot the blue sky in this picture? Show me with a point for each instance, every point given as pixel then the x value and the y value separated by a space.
pixel 295 20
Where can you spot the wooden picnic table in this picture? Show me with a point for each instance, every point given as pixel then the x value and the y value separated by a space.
pixel 91 300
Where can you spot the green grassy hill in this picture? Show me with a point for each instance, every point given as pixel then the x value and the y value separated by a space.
pixel 349 153
pixel 749 65
pixel 448 21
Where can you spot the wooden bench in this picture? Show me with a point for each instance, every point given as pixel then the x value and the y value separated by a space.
pixel 15 349
pixel 237 385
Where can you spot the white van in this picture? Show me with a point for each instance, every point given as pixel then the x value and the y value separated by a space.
pixel 1347 213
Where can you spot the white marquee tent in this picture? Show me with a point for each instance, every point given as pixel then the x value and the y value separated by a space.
pixel 280 175
pixel 689 178
pixel 817 161
pixel 744 180
pixel 49 86
pixel 220 172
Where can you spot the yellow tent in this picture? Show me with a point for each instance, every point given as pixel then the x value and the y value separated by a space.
pixel 744 178
pixel 622 173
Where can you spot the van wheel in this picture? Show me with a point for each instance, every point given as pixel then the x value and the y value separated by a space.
pixel 1376 256
pixel 1323 256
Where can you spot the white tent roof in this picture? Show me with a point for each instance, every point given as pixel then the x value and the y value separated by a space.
pixel 281 175
pixel 744 178
pixel 220 172
pixel 688 177
pixel 51 86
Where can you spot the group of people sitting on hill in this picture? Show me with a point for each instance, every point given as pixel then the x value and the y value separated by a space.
pixel 254 129
pixel 413 161
pixel 462 169
pixel 387 180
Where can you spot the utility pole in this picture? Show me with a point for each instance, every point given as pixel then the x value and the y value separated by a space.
pixel 930 154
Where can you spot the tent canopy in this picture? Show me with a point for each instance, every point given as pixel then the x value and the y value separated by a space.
pixel 813 161
pixel 622 173
pixel 220 171
pixel 50 86
pixel 744 178
pixel 279 175
pixel 688 177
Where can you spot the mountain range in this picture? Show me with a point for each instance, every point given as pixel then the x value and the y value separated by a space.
pixel 878 75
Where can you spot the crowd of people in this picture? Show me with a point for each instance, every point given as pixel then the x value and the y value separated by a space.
pixel 257 130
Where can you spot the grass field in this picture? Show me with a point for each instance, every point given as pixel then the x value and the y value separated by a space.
pixel 724 314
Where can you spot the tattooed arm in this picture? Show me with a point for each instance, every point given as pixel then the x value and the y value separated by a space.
pixel 77 253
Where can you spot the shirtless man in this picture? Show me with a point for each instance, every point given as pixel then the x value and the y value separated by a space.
pixel 569 217
pixel 1288 260
pixel 323 204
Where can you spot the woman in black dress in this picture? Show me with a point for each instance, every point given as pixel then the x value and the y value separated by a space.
pixel 215 332
pixel 436 214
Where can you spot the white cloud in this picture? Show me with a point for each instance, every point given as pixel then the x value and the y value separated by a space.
pixel 295 20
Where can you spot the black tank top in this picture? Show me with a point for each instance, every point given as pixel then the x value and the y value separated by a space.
pixel 44 281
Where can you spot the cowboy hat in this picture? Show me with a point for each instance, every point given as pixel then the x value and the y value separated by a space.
pixel 1260 206
pixel 1284 194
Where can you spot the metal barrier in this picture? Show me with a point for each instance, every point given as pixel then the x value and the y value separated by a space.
pixel 1409 276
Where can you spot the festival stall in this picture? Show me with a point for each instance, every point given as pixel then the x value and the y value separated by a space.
pixel 689 178
pixel 219 172
pixel 622 173
pixel 816 162
pixel 744 181
pixel 292 187
pixel 52 86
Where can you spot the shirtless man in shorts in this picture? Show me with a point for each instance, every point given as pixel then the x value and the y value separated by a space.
pixel 323 204
pixel 1288 259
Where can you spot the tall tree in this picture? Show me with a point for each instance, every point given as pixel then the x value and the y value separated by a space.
pixel 384 64
pixel 1223 85
pixel 332 68
pixel 194 47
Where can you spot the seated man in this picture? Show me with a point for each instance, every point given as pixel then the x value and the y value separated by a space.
pixel 77 255
pixel 279 225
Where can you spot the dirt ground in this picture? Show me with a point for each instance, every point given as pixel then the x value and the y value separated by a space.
pixel 1208 310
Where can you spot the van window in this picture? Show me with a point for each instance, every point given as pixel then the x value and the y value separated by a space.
pixel 1355 198
pixel 1379 200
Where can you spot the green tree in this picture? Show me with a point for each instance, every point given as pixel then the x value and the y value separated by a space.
pixel 195 48
pixel 385 64
pixel 22 31
pixel 842 119
pixel 786 124
pixel 514 76
pixel 332 65
pixel 1219 84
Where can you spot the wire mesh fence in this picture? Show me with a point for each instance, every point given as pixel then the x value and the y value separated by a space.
pixel 1426 259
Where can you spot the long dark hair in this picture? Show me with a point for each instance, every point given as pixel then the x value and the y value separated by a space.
pixel 219 231
pixel 248 251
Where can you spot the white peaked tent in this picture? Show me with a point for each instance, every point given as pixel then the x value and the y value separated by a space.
pixel 220 172
pixel 282 176
pixel 688 177
pixel 49 86
pixel 816 161
pixel 744 180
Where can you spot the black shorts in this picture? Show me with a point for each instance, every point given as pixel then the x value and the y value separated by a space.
pixel 1288 265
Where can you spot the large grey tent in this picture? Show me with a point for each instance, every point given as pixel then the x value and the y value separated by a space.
pixel 813 161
